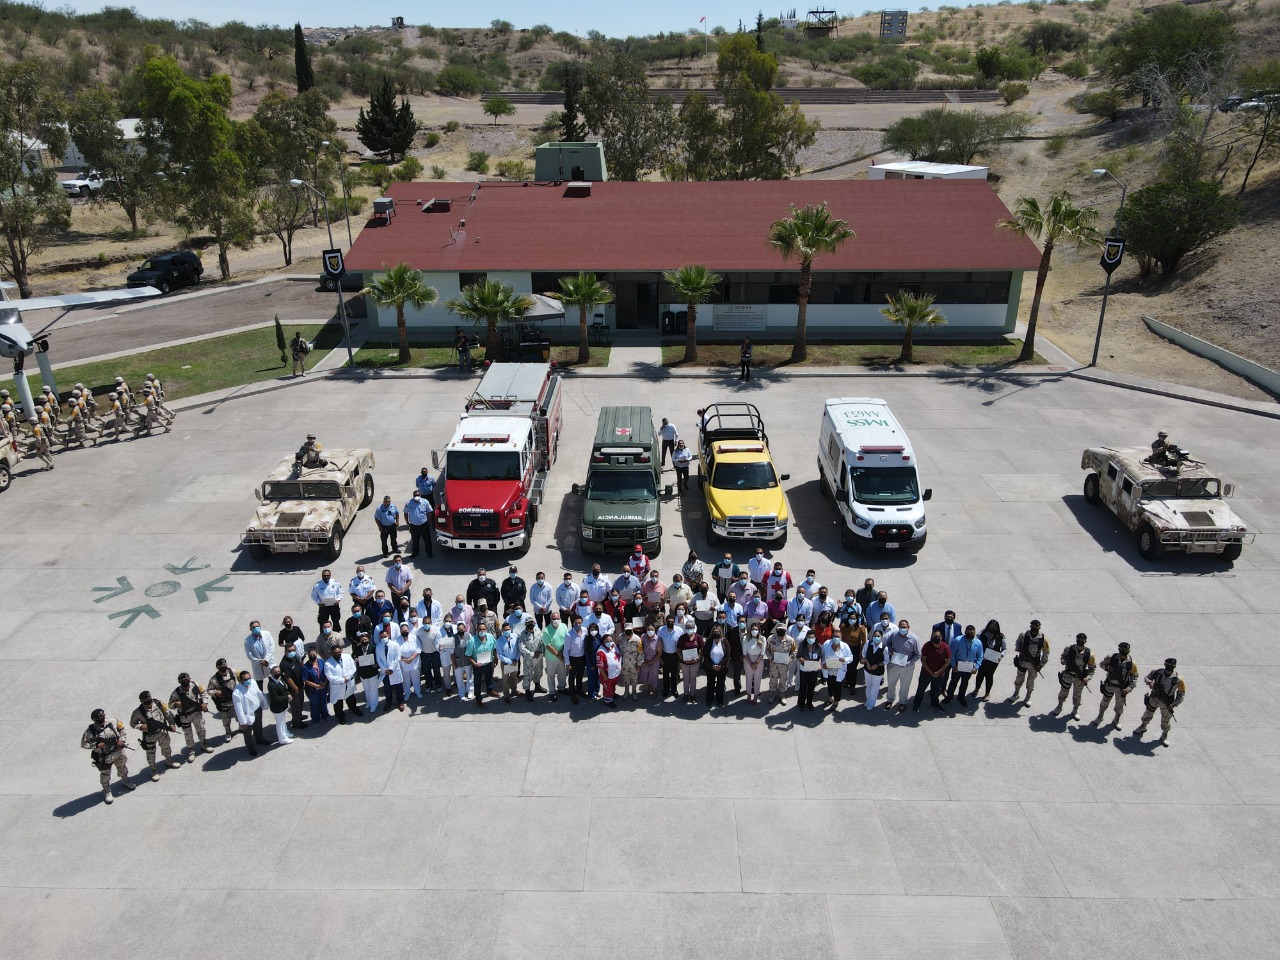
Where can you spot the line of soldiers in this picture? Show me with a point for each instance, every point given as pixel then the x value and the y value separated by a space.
pixel 84 419
pixel 1120 677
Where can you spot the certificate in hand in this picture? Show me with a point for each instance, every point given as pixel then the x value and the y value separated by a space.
pixel 964 666
pixel 781 656
pixel 993 656
pixel 899 659
pixel 365 661
pixel 484 656
pixel 689 654
pixel 809 666
pixel 834 663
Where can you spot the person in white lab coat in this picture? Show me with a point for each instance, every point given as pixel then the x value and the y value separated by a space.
pixel 248 703
pixel 411 662
pixel 387 651
pixel 340 671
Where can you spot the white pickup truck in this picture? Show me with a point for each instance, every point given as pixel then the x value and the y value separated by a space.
pixel 85 185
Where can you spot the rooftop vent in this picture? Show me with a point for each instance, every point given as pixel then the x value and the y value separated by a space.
pixel 436 205
pixel 577 188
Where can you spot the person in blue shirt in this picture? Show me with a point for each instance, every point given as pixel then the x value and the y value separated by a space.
pixel 387 517
pixel 417 513
pixel 878 606
pixel 480 651
pixel 380 609
pixel 508 650
pixel 966 658
pixel 426 485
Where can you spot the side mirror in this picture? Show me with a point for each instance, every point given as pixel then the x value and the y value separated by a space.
pixel 435 459
pixel 257 493
pixel 1228 489
pixel 928 493
pixel 577 489
pixel 784 477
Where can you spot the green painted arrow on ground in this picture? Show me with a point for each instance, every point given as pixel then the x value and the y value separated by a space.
pixel 122 586
pixel 133 613
pixel 202 592
pixel 187 567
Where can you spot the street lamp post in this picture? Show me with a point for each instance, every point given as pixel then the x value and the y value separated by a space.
pixel 342 307
pixel 1106 290
pixel 346 196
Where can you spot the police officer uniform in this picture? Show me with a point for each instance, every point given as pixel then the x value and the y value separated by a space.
pixel 1120 676
pixel 513 592
pixel 1078 667
pixel 1167 693
pixel 105 739
pixel 155 721
pixel 220 687
pixel 1031 653
pixel 189 704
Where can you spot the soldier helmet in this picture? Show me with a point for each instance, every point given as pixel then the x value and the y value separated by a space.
pixel 184 676
pixel 222 662
pixel 33 420
pixel 1161 434
pixel 113 395
pixel 311 436
pixel 46 389
pixel 1170 663
pixel 79 386
pixel 1081 638
pixel 75 393
pixel 119 379
pixel 1035 623
pixel 150 376
pixel 144 696
pixel 1124 647
pixel 6 408
pixel 98 716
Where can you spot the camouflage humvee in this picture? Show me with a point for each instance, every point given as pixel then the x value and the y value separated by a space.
pixel 1169 506
pixel 309 508
pixel 10 457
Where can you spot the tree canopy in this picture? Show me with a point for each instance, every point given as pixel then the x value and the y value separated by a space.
pixel 941 135
pixel 387 127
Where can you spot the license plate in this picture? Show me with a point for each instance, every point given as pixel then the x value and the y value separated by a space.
pixel 892 546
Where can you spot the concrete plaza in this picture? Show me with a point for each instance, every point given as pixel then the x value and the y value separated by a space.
pixel 657 830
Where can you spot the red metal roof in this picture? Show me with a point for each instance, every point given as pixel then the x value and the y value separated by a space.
pixel 626 226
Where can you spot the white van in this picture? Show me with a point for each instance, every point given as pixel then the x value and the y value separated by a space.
pixel 866 463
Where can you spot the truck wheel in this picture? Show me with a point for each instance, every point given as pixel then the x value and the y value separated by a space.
pixel 847 539
pixel 711 534
pixel 328 285
pixel 657 548
pixel 164 286
pixel 1091 494
pixel 823 488
pixel 1149 544
pixel 368 492
pixel 1231 553
pixel 333 549
pixel 259 552
pixel 5 477
pixel 779 544
pixel 85 192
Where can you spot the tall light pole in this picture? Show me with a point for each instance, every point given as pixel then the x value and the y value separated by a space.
pixel 346 195
pixel 1106 290
pixel 342 307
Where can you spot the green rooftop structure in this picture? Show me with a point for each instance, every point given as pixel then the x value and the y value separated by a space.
pixel 569 161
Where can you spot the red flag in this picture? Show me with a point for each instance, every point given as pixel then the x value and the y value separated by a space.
pixel 702 19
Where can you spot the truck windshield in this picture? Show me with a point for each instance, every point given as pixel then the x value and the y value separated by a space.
pixel 1189 489
pixel 292 490
pixel 744 476
pixel 482 465
pixel 885 485
pixel 621 485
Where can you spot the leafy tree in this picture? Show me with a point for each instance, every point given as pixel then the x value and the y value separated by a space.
pixel 456 81
pixel 184 122
pixel 701 142
pixel 1168 220
pixel 399 286
pixel 302 61
pixel 33 207
pixel 498 107
pixel 130 173
pixel 1012 92
pixel 386 127
pixel 586 291
pixel 909 311
pixel 1051 36
pixel 293 133
pixel 1175 40
pixel 490 302
pixel 1058 221
pixel 952 136
pixel 570 118
pixel 635 128
pixel 693 284
pixel 804 235
pixel 1103 104
pixel 762 134
pixel 990 64
pixel 283 211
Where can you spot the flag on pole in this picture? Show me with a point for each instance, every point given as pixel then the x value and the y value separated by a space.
pixel 702 19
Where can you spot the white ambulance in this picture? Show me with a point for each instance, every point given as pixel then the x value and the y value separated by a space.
pixel 866 464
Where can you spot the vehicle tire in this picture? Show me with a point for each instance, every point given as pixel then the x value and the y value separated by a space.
pixel 85 193
pixel 5 477
pixel 532 514
pixel 847 539
pixel 1149 544
pixel 779 544
pixel 259 552
pixel 333 549
pixel 368 492
pixel 657 548
pixel 1231 553
pixel 1091 494
pixel 823 487
pixel 328 285
pixel 711 534
pixel 164 286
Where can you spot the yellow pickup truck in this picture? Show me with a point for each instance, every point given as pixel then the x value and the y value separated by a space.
pixel 743 491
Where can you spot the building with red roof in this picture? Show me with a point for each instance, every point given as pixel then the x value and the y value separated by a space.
pixel 935 236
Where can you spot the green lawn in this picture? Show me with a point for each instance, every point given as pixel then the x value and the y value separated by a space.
pixel 383 357
pixel 991 353
pixel 194 368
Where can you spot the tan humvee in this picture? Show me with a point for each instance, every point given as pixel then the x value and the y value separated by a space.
pixel 1178 506
pixel 306 509
pixel 10 457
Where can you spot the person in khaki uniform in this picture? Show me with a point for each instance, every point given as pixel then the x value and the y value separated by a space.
pixel 1168 690
pixel 1120 675
pixel 1031 653
pixel 115 418
pixel 40 443
pixel 126 395
pixel 1078 667
pixel 190 704
pixel 157 389
pixel 156 723
pixel 149 414
pixel 221 686
pixel 779 649
pixel 105 738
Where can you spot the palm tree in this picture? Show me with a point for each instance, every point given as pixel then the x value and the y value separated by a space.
pixel 585 291
pixel 490 302
pixel 805 234
pixel 1060 221
pixel 910 311
pixel 399 286
pixel 693 284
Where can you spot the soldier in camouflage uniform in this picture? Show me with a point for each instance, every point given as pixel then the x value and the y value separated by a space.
pixel 75 422
pixel 1167 693
pixel 531 655
pixel 1078 667
pixel 189 703
pixel 780 649
pixel 155 722
pixel 158 390
pixel 1120 675
pixel 1031 653
pixel 220 687
pixel 105 738
pixel 90 404
pixel 116 418
pixel 148 414
pixel 126 395
pixel 40 443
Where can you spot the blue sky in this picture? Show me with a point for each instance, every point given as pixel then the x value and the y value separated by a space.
pixel 577 16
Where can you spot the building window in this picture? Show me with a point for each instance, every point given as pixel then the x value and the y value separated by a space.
pixel 471 279
pixel 783 292
pixel 547 282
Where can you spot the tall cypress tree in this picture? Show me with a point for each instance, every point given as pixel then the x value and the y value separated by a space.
pixel 386 127
pixel 302 61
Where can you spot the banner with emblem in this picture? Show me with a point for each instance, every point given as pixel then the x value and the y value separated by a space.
pixel 333 264
pixel 1112 254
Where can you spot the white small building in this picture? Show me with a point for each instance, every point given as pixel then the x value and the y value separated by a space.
pixel 920 170
pixel 73 159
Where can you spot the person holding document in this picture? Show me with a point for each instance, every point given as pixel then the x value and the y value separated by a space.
pixel 966 655
pixel 836 657
pixel 809 657
pixel 780 649
pixel 993 650
pixel 480 652
pixel 716 661
pixel 904 650
pixel 689 652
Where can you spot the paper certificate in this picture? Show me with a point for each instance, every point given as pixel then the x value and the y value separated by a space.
pixel 365 661
pixel 993 655
pixel 702 606
pixel 509 668
pixel 835 664
pixel 810 666
pixel 899 659
pixel 484 656
pixel 781 656
pixel 964 666
pixel 689 654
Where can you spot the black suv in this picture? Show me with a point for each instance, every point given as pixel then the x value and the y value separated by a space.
pixel 167 271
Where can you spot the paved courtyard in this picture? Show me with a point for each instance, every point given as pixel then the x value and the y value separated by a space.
pixel 656 831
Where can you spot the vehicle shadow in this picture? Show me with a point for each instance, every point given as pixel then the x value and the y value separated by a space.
pixel 1101 524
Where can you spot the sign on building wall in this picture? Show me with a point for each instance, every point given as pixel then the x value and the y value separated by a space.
pixel 738 317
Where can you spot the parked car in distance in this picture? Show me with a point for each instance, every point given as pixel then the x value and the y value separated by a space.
pixel 84 185
pixel 167 271
pixel 352 282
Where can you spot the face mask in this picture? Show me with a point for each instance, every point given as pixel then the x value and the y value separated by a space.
pixel 650 631
pixel 311 657
pixel 257 631
pixel 292 654
pixel 595 632
pixel 614 597
pixel 275 675
pixel 755 633
pixel 327 631
pixel 397 564
pixel 386 618
pixel 540 581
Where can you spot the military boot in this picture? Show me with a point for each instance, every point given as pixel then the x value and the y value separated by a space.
pixel 106 796
pixel 155 774
pixel 528 695
pixel 1140 730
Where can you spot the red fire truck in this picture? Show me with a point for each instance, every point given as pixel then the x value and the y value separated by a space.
pixel 495 467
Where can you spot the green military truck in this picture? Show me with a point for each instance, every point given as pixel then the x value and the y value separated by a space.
pixel 620 505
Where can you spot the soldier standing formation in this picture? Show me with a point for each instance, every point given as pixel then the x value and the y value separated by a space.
pixel 1120 676
pixel 104 738
pixel 1078 667
pixel 1167 694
